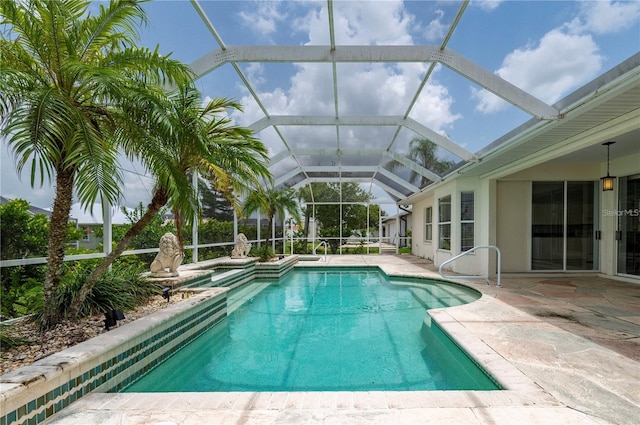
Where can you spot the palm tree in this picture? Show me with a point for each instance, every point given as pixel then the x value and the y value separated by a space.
pixel 305 194
pixel 423 152
pixel 70 82
pixel 272 202
pixel 186 137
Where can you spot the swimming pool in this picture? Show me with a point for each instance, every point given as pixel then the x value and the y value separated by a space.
pixel 319 330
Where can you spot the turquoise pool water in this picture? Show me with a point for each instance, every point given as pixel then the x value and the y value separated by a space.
pixel 326 331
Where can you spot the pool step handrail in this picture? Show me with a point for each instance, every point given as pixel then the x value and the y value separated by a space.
pixel 486 277
pixel 325 249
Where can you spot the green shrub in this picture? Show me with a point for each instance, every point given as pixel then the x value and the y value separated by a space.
pixel 266 253
pixel 121 288
pixel 24 235
pixel 22 291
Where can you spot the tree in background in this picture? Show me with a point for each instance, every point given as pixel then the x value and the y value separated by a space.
pixel 273 203
pixel 354 217
pixel 71 84
pixel 148 236
pixel 423 152
pixel 23 235
pixel 214 203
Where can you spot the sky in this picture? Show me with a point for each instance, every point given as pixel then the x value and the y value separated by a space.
pixel 548 48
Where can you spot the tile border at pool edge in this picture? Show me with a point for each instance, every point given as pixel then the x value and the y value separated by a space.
pixel 518 390
pixel 509 379
pixel 36 392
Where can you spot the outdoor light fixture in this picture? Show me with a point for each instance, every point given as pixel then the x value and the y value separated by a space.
pixel 165 293
pixel 607 182
pixel 111 318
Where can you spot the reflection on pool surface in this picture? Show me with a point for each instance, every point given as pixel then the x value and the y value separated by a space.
pixel 326 331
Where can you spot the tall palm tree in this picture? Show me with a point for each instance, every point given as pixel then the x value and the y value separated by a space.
pixel 70 82
pixel 184 137
pixel 423 152
pixel 306 195
pixel 272 202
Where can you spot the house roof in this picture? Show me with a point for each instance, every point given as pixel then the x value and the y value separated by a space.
pixel 32 209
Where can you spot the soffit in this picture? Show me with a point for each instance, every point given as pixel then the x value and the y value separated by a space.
pixel 615 112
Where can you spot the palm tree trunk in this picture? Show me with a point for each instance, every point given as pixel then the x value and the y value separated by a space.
pixel 158 201
pixel 307 220
pixel 269 227
pixel 177 220
pixel 58 232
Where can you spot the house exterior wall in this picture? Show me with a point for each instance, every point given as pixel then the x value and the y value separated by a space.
pixel 90 241
pixel 513 229
pixel 419 245
pixel 484 200
pixel 503 216
pixel 627 166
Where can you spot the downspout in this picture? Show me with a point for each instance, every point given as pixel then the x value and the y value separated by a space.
pixel 404 218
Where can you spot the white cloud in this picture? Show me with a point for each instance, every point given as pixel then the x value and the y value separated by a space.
pixel 558 63
pixel 264 17
pixel 486 4
pixel 93 215
pixel 436 29
pixel 606 17
pixel 433 108
pixel 379 89
pixel 254 72
pixel 360 23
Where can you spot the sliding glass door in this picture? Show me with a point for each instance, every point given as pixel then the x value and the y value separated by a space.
pixel 563 224
pixel 547 226
pixel 581 226
pixel 628 233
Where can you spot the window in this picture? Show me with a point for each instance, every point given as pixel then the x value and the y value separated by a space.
pixel 444 223
pixel 466 221
pixel 428 220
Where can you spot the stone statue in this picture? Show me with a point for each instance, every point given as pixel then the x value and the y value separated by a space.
pixel 169 257
pixel 242 247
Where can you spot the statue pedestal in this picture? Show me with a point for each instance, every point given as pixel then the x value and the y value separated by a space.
pixel 185 277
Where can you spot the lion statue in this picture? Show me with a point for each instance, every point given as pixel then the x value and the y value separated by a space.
pixel 169 257
pixel 242 247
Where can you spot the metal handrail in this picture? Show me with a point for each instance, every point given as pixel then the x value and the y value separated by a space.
pixel 325 249
pixel 499 284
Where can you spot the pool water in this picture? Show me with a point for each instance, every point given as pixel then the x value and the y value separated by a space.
pixel 326 331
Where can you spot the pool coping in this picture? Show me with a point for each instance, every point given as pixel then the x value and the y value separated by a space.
pixel 109 361
pixel 401 407
pixel 479 327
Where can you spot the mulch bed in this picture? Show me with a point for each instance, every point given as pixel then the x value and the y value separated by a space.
pixel 64 335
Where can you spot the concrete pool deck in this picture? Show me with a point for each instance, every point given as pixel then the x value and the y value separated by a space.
pixel 565 347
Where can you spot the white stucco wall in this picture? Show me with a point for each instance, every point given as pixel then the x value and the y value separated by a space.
pixel 503 215
pixel 419 246
pixel 484 225
pixel 627 166
pixel 513 229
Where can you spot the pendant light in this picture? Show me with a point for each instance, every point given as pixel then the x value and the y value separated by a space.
pixel 607 181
